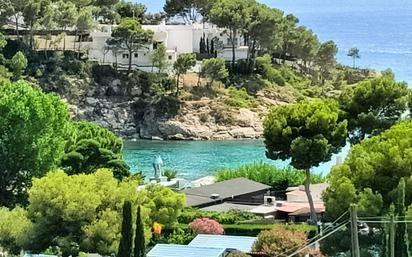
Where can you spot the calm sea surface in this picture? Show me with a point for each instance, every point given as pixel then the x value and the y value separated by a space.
pixel 381 29
pixel 196 159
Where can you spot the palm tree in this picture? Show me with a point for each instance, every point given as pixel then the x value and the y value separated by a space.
pixel 354 53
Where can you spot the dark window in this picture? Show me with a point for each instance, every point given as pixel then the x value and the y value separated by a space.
pixel 155 45
pixel 170 57
pixel 125 56
pixel 136 55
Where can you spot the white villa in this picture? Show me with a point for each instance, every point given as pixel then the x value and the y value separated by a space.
pixel 177 39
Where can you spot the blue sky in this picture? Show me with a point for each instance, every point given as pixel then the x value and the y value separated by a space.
pixel 293 5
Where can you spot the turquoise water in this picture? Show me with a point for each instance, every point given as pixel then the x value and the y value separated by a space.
pixel 196 159
pixel 381 29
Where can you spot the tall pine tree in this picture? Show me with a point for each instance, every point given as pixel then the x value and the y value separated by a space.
pixel 125 245
pixel 139 240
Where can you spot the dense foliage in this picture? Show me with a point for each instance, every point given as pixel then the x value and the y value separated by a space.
pixel 126 233
pixel 139 249
pixel 130 36
pixel 32 129
pixel 183 63
pixel 280 241
pixel 206 226
pixel 13 227
pixel 83 212
pixel 371 173
pixel 90 147
pixel 279 179
pixel 377 176
pixel 373 105
pixel 214 69
pixel 308 133
pixel 228 217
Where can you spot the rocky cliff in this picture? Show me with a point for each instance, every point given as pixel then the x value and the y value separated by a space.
pixel 166 118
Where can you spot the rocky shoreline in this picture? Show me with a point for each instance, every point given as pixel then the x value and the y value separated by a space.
pixel 204 119
pixel 192 123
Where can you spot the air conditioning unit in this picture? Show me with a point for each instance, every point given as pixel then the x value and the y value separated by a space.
pixel 269 200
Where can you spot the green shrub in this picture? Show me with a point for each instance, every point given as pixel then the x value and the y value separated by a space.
pixel 238 98
pixel 278 178
pixel 99 72
pixel 280 241
pixel 177 236
pixel 229 217
pixel 168 106
pixel 274 75
pixel 223 115
pixel 237 254
pixel 169 173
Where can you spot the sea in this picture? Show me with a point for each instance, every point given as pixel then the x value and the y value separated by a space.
pixel 381 30
pixel 196 159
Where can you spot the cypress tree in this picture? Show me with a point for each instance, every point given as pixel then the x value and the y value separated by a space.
pixel 125 245
pixel 400 237
pixel 139 240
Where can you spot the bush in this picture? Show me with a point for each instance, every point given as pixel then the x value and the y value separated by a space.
pixel 169 173
pixel 279 241
pixel 178 236
pixel 279 179
pixel 229 217
pixel 238 98
pixel 99 72
pixel 255 229
pixel 273 75
pixel 206 226
pixel 237 254
pixel 223 115
pixel 167 106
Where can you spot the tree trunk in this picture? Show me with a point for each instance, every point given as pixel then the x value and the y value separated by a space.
pixel 45 49
pixel 233 50
pixel 177 84
pixel 31 37
pixel 198 79
pixel 79 49
pixel 74 41
pixel 16 18
pixel 354 62
pixel 64 40
pixel 313 216
pixel 115 57
pixel 130 61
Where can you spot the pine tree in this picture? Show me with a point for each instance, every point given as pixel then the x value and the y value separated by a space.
pixel 139 240
pixel 125 245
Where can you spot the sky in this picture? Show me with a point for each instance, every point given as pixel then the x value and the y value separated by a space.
pixel 289 5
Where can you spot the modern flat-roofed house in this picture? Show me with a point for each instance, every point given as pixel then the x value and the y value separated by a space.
pixel 178 39
pixel 238 190
pixel 295 208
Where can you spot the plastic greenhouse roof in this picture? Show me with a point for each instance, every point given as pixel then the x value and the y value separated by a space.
pixel 172 250
pixel 240 243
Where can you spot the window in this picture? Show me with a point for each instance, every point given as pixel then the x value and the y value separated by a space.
pixel 125 56
pixel 170 57
pixel 136 55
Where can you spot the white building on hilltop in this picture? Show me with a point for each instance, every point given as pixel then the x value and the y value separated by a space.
pixel 177 39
